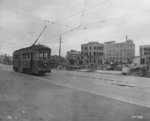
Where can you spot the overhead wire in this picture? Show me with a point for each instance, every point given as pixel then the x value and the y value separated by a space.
pixel 24 37
pixel 63 33
pixel 79 12
pixel 56 21
pixel 83 12
pixel 97 22
pixel 48 21
pixel 72 28
pixel 107 21
pixel 79 27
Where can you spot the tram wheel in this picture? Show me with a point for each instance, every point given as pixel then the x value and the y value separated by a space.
pixel 26 71
pixel 42 73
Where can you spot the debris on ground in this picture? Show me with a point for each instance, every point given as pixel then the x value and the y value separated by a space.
pixel 136 70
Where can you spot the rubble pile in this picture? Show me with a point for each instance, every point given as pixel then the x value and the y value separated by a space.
pixel 143 71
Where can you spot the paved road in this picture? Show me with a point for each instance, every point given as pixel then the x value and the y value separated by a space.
pixel 72 96
pixel 134 90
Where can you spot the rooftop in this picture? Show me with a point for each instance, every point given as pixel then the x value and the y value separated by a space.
pixel 144 45
pixel 114 42
pixel 34 47
pixel 94 42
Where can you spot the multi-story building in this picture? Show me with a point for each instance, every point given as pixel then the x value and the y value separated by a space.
pixel 93 53
pixel 119 52
pixel 145 54
pixel 74 57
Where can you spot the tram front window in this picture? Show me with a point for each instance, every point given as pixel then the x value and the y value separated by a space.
pixel 43 55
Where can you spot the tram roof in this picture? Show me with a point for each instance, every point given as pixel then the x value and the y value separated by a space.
pixel 33 48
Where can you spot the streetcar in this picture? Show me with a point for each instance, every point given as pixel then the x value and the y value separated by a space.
pixel 32 60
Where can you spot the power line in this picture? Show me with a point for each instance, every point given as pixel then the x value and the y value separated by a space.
pixel 79 12
pixel 59 49
pixel 76 28
pixel 56 22
pixel 107 21
pixel 52 22
pixel 25 36
pixel 83 12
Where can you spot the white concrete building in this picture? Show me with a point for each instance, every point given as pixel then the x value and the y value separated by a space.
pixel 119 52
pixel 93 53
pixel 145 54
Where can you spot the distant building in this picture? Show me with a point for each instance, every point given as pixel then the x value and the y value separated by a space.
pixel 56 60
pixel 145 54
pixel 93 53
pixel 6 59
pixel 119 52
pixel 74 57
pixel 137 61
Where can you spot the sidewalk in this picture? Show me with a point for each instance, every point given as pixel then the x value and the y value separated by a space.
pixel 101 71
pixel 108 72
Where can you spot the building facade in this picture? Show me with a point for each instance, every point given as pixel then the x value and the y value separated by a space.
pixel 119 52
pixel 145 54
pixel 93 53
pixel 74 57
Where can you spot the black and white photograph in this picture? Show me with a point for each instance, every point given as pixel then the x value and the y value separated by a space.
pixel 74 60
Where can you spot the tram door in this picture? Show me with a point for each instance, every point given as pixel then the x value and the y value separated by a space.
pixel 19 63
pixel 31 62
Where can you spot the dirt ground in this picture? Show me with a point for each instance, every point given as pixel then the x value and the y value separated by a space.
pixel 27 98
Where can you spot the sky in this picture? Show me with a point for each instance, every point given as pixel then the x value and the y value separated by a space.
pixel 76 21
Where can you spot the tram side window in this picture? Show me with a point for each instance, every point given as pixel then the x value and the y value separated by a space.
pixel 26 56
pixel 43 55
pixel 16 56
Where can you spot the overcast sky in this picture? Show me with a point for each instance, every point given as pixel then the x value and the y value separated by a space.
pixel 21 21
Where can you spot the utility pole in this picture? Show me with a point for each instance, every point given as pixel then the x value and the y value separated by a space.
pixel 126 38
pixel 59 49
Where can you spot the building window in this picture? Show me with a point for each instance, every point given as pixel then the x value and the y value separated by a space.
pixel 90 53
pixel 142 61
pixel 90 47
pixel 94 61
pixel 94 47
